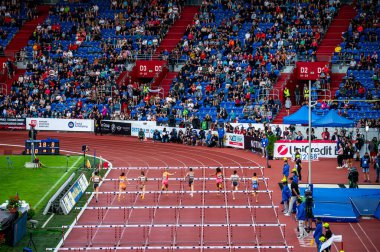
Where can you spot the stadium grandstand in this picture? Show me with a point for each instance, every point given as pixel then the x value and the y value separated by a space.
pixel 223 73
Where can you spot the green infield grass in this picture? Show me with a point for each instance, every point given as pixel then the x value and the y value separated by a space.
pixel 36 186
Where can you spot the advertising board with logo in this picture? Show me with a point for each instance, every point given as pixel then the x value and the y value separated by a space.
pixel 234 140
pixel 12 123
pixel 82 125
pixel 320 149
pixel 252 143
pixel 117 128
pixel 72 196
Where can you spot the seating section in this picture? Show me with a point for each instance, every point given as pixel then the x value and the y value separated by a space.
pixel 233 54
pixel 239 51
pixel 359 91
pixel 12 15
pixel 79 51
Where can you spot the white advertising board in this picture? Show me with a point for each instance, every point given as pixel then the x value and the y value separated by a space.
pixel 234 140
pixel 83 125
pixel 320 149
pixel 72 196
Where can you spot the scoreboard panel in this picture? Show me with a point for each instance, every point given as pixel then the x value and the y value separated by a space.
pixel 42 147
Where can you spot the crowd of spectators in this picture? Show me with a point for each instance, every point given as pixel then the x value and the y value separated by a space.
pixel 12 16
pixel 81 44
pixel 359 50
pixel 235 51
pixel 227 77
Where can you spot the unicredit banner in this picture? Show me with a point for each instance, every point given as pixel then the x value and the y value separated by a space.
pixel 323 149
pixel 82 125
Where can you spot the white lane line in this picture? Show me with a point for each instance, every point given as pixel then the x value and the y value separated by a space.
pixel 47 221
pixel 370 240
pixel 57 183
pixel 357 235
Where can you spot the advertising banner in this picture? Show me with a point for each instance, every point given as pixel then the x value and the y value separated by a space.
pixel 82 125
pixel 117 128
pixel 13 123
pixel 252 143
pixel 319 149
pixel 234 140
pixel 72 196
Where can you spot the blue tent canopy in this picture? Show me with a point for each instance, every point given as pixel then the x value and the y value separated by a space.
pixel 332 119
pixel 301 117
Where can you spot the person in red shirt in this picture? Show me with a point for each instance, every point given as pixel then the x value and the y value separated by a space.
pixel 326 134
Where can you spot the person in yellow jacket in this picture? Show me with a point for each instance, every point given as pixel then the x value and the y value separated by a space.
pixel 286 93
pixel 306 93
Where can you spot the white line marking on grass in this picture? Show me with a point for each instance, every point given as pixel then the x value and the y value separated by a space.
pixel 47 221
pixel 56 183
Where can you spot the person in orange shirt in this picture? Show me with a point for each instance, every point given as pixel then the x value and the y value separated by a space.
pixel 165 179
pixel 122 184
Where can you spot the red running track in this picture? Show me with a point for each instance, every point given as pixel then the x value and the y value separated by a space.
pixel 126 151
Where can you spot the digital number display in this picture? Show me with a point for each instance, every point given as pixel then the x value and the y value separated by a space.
pixel 42 147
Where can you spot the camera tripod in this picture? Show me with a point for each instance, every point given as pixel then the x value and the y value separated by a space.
pixel 31 242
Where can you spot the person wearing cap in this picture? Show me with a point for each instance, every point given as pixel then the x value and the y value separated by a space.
pixel 301 217
pixel 295 195
pixel 295 175
pixel 285 168
pixel 318 233
pixel 328 233
pixel 298 168
pixel 285 194
pixel 364 164
pixel 321 239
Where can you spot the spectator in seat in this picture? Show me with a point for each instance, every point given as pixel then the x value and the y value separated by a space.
pixel 326 134
pixel 299 136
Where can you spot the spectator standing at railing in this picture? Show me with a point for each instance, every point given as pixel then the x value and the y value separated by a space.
pixel 297 94
pixel 364 164
pixel 221 134
pixel 264 145
pixel 377 167
pixel 326 134
pixel 288 105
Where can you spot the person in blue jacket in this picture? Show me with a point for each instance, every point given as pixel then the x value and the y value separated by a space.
pixel 364 164
pixel 264 144
pixel 221 136
pixel 285 168
pixel 208 137
pixel 318 233
pixel 301 217
pixel 295 175
pixel 285 193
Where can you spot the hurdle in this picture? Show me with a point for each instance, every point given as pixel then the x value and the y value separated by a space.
pixel 181 192
pixel 173 207
pixel 175 225
pixel 182 167
pixel 180 179
pixel 168 248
